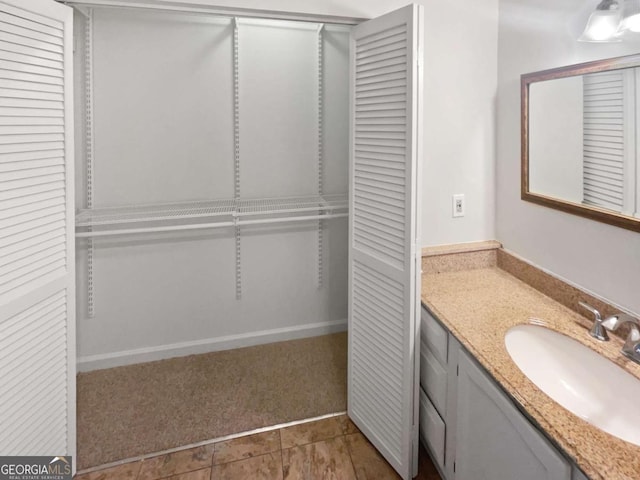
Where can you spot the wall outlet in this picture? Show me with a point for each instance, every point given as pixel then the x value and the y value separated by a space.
pixel 458 205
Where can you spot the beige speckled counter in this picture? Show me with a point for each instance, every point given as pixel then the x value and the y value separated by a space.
pixel 479 306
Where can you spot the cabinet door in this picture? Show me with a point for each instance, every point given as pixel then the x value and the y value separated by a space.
pixel 37 305
pixel 578 475
pixel 494 440
pixel 384 253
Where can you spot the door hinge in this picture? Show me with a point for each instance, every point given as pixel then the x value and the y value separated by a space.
pixel 454 467
pixel 457 370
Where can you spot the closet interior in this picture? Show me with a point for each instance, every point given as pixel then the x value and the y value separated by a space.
pixel 211 180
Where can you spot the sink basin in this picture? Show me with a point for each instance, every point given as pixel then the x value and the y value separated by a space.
pixel 582 381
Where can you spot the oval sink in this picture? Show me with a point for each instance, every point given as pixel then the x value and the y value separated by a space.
pixel 579 379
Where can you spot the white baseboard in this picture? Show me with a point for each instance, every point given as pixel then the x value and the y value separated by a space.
pixel 161 352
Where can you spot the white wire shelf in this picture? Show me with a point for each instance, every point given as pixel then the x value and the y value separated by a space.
pixel 207 214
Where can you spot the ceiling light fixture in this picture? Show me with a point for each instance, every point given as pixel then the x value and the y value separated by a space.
pixel 605 22
pixel 630 16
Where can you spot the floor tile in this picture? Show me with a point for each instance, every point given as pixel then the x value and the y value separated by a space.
pixel 368 463
pixel 126 471
pixel 327 459
pixel 348 427
pixel 202 474
pixel 310 432
pixel 175 463
pixel 426 468
pixel 263 467
pixel 247 446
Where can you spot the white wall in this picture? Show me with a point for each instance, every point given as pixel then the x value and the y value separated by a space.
pixel 556 138
pixel 536 35
pixel 460 92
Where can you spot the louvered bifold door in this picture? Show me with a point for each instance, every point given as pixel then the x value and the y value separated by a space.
pixel 37 329
pixel 609 140
pixel 384 274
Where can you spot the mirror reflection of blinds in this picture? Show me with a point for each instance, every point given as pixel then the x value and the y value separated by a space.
pixel 606 142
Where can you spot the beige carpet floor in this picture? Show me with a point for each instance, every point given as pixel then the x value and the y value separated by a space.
pixel 144 408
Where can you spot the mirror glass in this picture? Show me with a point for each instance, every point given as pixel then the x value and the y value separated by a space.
pixel 581 140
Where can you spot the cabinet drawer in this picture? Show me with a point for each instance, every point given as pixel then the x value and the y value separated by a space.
pixel 433 378
pixel 434 335
pixel 432 429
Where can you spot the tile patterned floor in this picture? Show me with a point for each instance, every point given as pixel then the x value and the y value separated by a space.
pixel 329 449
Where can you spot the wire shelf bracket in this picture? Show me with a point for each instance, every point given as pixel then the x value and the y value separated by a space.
pixel 236 148
pixel 89 147
pixel 320 150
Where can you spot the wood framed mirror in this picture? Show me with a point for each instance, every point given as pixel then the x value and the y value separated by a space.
pixel 580 131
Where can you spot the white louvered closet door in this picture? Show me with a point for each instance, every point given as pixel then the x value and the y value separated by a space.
pixel 609 140
pixel 384 258
pixel 37 306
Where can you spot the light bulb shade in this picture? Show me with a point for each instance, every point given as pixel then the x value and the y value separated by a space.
pixel 602 26
pixel 630 16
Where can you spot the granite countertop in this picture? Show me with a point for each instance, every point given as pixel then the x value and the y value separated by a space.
pixel 479 306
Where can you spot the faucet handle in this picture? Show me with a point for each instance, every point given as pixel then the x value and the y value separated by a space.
pixel 631 347
pixel 597 330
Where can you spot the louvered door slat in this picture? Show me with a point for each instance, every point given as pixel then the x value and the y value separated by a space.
pixel 385 70
pixel 383 273
pixel 26 94
pixel 35 54
pixel 384 48
pixel 16 158
pixel 381 304
pixel 30 129
pixel 35 330
pixel 367 216
pixel 31 147
pixel 366 170
pixel 12 39
pixel 29 121
pixel 16 194
pixel 30 60
pixel 37 307
pixel 22 76
pixel 369 81
pixel 29 204
pixel 30 33
pixel 30 199
pixel 55 31
pixel 31 138
pixel 384 37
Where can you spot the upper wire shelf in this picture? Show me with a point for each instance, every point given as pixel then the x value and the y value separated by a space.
pixel 269 206
pixel 153 213
pixel 207 214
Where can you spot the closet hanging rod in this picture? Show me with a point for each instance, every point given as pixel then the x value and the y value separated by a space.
pixel 217 10
pixel 206 226
pixel 169 228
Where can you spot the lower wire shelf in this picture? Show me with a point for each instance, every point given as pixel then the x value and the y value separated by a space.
pixel 198 215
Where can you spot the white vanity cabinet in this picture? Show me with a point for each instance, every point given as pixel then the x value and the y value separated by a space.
pixel 470 426
pixel 434 375
pixel 494 440
pixel 578 475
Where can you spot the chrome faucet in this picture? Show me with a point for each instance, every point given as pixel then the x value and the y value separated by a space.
pixel 631 347
pixel 597 330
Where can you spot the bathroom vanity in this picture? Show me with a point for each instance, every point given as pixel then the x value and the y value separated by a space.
pixel 479 414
